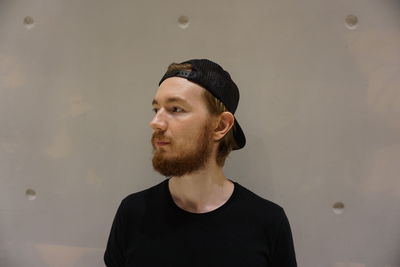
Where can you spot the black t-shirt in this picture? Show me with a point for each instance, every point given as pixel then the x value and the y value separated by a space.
pixel 149 229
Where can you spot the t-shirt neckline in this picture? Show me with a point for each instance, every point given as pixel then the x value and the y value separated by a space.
pixel 203 214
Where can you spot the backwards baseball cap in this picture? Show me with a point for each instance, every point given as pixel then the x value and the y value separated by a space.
pixel 218 82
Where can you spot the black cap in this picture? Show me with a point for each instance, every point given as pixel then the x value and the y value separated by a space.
pixel 218 82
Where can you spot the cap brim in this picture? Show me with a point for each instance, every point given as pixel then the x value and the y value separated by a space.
pixel 240 139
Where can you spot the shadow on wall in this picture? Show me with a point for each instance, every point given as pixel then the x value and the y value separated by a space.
pixel 52 255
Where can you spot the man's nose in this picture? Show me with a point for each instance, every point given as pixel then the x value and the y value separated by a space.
pixel 158 122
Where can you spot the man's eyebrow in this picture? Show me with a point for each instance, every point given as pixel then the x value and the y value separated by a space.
pixel 170 100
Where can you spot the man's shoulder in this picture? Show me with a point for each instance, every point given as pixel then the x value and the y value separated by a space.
pixel 258 203
pixel 142 194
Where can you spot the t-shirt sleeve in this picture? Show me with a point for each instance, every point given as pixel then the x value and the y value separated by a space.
pixel 114 253
pixel 284 253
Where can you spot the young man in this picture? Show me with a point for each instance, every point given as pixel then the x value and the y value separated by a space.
pixel 197 216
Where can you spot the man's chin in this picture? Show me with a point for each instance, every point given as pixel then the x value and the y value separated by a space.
pixel 162 155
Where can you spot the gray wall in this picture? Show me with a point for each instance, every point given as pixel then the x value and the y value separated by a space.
pixel 320 105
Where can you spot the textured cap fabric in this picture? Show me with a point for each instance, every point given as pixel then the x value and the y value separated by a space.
pixel 218 82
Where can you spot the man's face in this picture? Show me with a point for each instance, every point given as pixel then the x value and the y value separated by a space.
pixel 182 129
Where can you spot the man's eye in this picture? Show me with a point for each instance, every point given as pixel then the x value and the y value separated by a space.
pixel 155 110
pixel 176 109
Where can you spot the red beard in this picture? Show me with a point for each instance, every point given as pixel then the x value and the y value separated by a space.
pixel 192 158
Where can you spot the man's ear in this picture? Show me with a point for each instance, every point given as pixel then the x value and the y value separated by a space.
pixel 224 123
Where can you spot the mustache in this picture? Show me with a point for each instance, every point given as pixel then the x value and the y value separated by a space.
pixel 159 136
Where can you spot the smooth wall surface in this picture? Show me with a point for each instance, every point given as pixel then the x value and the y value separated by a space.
pixel 320 106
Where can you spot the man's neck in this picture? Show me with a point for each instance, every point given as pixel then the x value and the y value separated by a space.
pixel 202 191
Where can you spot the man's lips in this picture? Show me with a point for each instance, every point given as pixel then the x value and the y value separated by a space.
pixel 159 140
pixel 161 143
